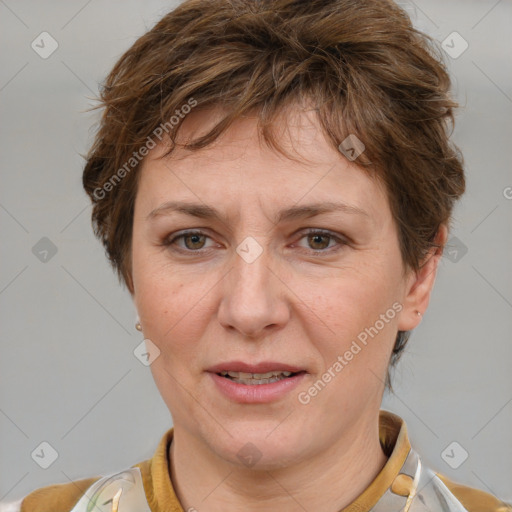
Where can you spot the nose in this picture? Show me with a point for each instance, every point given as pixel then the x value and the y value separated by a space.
pixel 254 297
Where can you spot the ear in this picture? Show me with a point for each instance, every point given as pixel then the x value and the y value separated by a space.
pixel 129 284
pixel 420 283
pixel 126 271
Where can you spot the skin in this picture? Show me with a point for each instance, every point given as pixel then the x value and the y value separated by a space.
pixel 293 304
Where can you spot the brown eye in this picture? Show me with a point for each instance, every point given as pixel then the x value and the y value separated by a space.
pixel 316 243
pixel 193 241
pixel 319 241
pixel 196 240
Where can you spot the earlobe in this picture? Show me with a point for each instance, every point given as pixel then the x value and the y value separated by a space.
pixel 420 284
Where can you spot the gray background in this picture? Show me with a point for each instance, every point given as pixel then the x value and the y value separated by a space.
pixel 67 369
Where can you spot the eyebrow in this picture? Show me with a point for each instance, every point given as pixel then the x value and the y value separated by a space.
pixel 295 212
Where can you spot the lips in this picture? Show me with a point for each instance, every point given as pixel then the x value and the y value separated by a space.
pixel 259 368
pixel 261 383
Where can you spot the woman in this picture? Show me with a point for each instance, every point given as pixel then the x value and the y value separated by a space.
pixel 273 182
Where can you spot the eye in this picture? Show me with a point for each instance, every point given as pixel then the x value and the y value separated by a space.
pixel 314 238
pixel 193 240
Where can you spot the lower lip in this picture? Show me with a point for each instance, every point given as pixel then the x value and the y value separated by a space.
pixel 256 393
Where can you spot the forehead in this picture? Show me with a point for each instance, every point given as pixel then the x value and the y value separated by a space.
pixel 238 167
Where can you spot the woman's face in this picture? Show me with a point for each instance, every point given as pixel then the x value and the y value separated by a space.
pixel 253 292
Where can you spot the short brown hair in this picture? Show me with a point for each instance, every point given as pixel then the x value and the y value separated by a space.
pixel 368 72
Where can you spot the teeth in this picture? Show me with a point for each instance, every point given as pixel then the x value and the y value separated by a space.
pixel 256 378
pixel 257 382
pixel 244 375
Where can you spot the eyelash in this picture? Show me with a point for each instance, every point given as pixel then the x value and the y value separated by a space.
pixel 341 242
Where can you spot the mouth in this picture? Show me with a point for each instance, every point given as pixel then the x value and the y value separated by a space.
pixel 263 382
pixel 257 379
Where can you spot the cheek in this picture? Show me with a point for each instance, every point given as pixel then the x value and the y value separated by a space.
pixel 359 294
pixel 355 313
pixel 171 306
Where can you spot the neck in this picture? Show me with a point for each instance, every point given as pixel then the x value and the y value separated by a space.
pixel 329 482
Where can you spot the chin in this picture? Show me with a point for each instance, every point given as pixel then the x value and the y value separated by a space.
pixel 259 446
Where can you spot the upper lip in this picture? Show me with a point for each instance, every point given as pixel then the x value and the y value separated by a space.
pixel 263 367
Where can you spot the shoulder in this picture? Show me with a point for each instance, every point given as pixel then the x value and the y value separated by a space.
pixel 475 500
pixel 57 498
pixel 78 495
